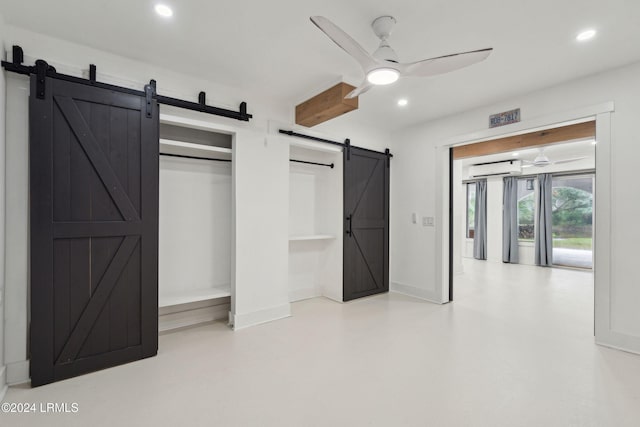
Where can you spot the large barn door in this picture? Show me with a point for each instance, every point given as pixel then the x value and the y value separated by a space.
pixel 94 229
pixel 366 240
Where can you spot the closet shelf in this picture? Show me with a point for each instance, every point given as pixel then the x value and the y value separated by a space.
pixel 168 146
pixel 316 146
pixel 185 297
pixel 312 237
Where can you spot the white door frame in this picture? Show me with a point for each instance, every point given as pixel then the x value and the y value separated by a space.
pixel 602 235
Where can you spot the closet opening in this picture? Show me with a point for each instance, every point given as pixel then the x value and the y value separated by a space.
pixel 195 224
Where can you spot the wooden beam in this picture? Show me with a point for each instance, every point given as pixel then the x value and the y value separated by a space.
pixel 527 140
pixel 326 105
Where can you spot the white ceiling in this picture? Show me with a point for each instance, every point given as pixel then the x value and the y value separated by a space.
pixel 271 48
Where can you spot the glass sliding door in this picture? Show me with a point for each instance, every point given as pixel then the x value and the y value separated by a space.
pixel 572 220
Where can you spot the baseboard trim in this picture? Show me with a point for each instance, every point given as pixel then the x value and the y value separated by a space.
pixel 17 372
pixel 302 294
pixel 244 320
pixel 3 383
pixel 415 292
pixel 616 347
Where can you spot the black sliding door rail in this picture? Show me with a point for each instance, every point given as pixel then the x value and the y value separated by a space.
pixel 346 144
pixel 43 70
pixel 314 138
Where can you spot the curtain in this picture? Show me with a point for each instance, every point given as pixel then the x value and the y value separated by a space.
pixel 543 235
pixel 510 220
pixel 480 221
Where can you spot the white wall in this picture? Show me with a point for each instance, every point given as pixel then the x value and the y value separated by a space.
pixel 416 185
pixel 194 226
pixel 261 176
pixel 2 213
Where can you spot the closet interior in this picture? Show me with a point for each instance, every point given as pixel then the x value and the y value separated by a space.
pixel 315 220
pixel 195 223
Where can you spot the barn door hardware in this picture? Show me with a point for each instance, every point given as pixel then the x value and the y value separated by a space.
pixel 42 70
pixel 346 144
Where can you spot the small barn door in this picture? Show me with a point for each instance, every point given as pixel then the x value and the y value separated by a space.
pixel 366 240
pixel 94 229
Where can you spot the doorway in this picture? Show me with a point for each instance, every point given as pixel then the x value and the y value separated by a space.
pixel 570 164
pixel 572 216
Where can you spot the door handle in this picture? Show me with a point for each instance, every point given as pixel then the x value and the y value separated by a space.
pixel 349 231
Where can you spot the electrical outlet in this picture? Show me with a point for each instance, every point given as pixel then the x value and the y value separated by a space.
pixel 428 221
pixel 414 218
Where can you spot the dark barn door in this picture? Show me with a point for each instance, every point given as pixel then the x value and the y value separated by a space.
pixel 94 229
pixel 366 240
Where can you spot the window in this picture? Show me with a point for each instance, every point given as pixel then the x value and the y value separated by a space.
pixel 471 208
pixel 526 209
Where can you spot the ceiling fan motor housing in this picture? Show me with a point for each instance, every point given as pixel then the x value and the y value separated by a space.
pixel 383 26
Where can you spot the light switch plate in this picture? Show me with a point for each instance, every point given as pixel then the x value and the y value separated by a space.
pixel 414 218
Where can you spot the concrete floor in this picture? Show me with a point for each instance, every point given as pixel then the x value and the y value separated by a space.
pixel 516 348
pixel 573 257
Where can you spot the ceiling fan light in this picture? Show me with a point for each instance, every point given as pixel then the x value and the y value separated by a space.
pixel 163 10
pixel 586 35
pixel 383 76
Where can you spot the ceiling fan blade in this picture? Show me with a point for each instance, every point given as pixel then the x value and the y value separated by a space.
pixel 364 87
pixel 527 166
pixel 575 159
pixel 444 64
pixel 345 41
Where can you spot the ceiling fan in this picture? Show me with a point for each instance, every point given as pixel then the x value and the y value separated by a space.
pixel 541 160
pixel 382 67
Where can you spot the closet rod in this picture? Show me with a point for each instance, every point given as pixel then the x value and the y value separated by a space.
pixel 312 163
pixel 42 70
pixel 194 157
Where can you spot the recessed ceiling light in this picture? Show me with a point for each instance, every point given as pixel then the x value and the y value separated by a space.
pixel 383 76
pixel 515 154
pixel 164 10
pixel 586 35
pixel 594 142
pixel 402 102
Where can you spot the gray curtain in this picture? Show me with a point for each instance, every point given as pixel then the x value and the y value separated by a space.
pixel 480 221
pixel 544 237
pixel 510 220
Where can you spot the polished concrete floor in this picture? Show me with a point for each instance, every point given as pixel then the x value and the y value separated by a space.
pixel 516 348
pixel 578 258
